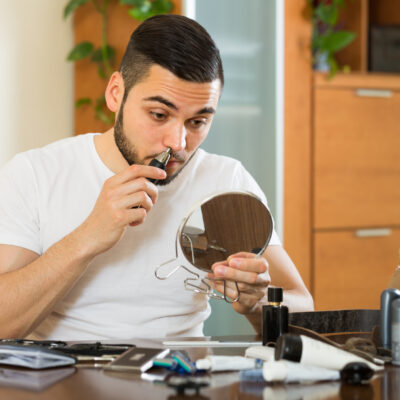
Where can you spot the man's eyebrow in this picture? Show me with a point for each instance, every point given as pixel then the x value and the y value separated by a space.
pixel 206 110
pixel 160 99
pixel 163 101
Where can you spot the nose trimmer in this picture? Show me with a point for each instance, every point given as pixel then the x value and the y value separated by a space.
pixel 160 161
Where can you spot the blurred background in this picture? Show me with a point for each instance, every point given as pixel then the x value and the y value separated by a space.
pixel 310 107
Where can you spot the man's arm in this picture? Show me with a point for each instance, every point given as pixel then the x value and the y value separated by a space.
pixel 283 274
pixel 31 285
pixel 254 274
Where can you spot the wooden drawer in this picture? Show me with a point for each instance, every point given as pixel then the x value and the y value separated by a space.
pixel 356 159
pixel 351 271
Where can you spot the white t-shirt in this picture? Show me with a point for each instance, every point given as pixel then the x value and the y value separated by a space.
pixel 46 193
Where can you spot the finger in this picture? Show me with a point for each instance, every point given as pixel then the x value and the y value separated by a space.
pixel 258 264
pixel 248 300
pixel 257 291
pixel 139 199
pixel 138 171
pixel 234 274
pixel 135 216
pixel 137 185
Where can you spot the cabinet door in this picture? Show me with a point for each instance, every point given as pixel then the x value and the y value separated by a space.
pixel 352 271
pixel 356 158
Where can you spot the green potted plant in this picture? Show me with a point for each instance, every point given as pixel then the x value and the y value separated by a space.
pixel 104 56
pixel 328 37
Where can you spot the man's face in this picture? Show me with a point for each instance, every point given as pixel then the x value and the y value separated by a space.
pixel 164 111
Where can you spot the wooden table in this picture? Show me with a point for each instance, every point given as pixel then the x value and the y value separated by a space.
pixel 95 383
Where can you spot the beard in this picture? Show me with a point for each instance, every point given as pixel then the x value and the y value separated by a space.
pixel 130 154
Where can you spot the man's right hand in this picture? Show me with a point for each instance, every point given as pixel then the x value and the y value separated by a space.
pixel 125 199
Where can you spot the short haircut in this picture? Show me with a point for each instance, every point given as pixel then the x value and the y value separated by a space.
pixel 177 43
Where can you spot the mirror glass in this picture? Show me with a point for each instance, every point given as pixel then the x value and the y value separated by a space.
pixel 223 225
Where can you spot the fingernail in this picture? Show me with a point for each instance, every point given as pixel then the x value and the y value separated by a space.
pixel 219 271
pixel 235 262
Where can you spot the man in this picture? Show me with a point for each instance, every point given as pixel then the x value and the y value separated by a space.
pixel 83 229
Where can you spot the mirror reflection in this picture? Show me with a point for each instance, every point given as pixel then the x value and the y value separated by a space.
pixel 224 225
pixel 213 230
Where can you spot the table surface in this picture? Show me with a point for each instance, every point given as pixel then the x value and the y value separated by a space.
pixel 96 383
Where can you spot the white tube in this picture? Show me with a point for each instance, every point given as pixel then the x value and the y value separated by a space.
pixel 226 363
pixel 261 352
pixel 319 354
pixel 288 371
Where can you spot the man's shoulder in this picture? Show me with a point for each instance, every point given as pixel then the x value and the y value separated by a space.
pixel 71 142
pixel 61 150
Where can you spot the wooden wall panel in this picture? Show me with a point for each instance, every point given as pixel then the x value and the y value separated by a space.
pixel 87 24
pixel 385 12
pixel 297 153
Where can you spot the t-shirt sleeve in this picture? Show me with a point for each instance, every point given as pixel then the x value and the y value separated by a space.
pixel 244 181
pixel 19 215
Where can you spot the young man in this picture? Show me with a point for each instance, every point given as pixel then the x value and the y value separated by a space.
pixel 82 229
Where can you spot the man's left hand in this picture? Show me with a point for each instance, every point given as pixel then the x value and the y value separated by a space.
pixel 251 274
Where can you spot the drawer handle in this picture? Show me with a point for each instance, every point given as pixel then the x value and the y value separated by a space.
pixel 362 233
pixel 385 94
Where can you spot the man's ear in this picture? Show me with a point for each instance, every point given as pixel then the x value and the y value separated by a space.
pixel 114 92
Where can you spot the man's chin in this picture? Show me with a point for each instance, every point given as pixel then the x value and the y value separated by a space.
pixel 172 173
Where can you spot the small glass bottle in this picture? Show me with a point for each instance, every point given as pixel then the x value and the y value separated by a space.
pixel 275 317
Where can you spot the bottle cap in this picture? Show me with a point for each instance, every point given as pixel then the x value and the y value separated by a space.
pixel 289 347
pixel 275 294
pixel 356 373
pixel 203 363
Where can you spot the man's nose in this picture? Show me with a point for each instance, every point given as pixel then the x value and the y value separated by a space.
pixel 176 138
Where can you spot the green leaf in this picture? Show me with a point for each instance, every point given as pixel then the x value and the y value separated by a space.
pixel 149 8
pixel 72 6
pixel 101 71
pixel 137 14
pixel 80 51
pixel 336 41
pixel 142 12
pixel 161 6
pixel 327 13
pixel 333 67
pixel 346 69
pixel 83 101
pixel 133 3
pixel 106 117
pixel 97 55
pixel 102 116
pixel 339 3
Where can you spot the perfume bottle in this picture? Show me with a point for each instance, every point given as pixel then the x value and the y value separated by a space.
pixel 275 317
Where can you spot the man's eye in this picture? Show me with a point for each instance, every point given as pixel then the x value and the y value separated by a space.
pixel 197 123
pixel 158 116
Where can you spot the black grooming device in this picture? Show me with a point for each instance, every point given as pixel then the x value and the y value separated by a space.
pixel 160 161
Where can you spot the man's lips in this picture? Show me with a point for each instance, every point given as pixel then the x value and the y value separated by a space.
pixel 172 162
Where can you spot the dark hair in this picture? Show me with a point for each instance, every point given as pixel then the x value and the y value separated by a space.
pixel 176 43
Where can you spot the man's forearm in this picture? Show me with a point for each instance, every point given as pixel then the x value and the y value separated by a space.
pixel 28 294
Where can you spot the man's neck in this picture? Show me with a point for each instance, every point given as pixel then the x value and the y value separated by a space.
pixel 108 151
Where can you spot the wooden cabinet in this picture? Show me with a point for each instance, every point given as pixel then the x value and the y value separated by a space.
pixel 353 266
pixel 355 189
pixel 342 156
pixel 356 156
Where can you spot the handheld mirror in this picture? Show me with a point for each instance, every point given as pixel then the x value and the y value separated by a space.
pixel 216 228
